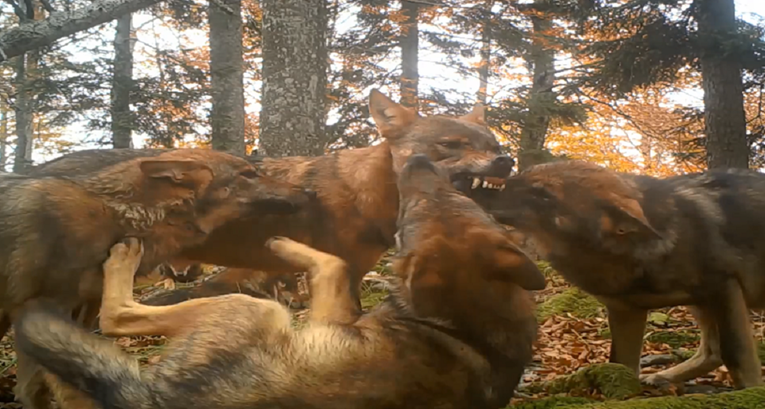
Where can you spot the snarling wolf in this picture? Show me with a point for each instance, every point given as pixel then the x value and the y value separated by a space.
pixel 455 332
pixel 639 243
pixel 56 230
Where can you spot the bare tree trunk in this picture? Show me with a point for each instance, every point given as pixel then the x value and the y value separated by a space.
pixel 227 69
pixel 410 47
pixel 27 37
pixel 122 83
pixel 24 117
pixel 484 68
pixel 537 121
pixel 294 114
pixel 3 133
pixel 724 117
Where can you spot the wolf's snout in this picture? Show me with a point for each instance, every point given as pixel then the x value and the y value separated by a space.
pixel 502 166
pixel 420 161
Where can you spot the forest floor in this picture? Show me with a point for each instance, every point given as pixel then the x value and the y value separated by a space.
pixel 573 334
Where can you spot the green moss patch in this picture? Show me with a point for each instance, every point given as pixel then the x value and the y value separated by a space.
pixel 752 398
pixel 613 381
pixel 572 301
pixel 674 338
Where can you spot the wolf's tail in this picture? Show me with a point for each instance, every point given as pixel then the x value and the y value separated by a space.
pixel 93 365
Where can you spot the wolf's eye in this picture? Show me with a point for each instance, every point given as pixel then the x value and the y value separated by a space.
pixel 192 227
pixel 249 174
pixel 451 144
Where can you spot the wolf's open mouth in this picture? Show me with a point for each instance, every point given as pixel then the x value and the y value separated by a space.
pixel 485 182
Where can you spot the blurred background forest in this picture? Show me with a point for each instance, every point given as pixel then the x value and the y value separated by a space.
pixel 650 86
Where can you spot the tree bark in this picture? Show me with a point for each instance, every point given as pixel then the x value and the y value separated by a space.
pixel 3 133
pixel 122 84
pixel 24 117
pixel 724 117
pixel 541 98
pixel 227 70
pixel 410 46
pixel 27 37
pixel 294 114
pixel 484 68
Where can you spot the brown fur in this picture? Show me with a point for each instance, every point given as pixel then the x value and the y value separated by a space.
pixel 412 351
pixel 357 190
pixel 55 231
pixel 639 243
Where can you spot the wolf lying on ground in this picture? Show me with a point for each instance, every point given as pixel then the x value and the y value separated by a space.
pixel 55 231
pixel 456 331
pixel 638 243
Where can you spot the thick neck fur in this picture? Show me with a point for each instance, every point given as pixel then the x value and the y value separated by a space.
pixel 509 327
pixel 126 197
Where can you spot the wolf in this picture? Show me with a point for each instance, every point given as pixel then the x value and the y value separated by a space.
pixel 639 243
pixel 55 231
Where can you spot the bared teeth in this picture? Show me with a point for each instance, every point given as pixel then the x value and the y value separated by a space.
pixel 488 182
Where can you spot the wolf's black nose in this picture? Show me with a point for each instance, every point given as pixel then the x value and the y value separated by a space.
pixel 504 160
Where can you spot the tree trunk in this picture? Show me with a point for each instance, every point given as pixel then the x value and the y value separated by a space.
pixel 227 70
pixel 410 46
pixel 293 117
pixel 3 133
pixel 27 37
pixel 725 121
pixel 484 68
pixel 122 83
pixel 24 116
pixel 541 98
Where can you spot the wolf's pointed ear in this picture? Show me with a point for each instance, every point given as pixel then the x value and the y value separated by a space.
pixel 477 115
pixel 626 217
pixel 181 171
pixel 510 264
pixel 389 116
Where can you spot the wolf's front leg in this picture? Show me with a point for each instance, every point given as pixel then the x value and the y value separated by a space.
pixel 331 297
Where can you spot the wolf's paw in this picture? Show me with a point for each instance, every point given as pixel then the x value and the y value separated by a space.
pixel 167 283
pixel 656 380
pixel 125 255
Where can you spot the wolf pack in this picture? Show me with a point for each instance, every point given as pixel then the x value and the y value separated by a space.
pixel 458 326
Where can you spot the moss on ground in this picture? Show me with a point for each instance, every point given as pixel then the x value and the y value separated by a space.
pixel 613 381
pixel 573 301
pixel 370 299
pixel 554 402
pixel 546 269
pixel 752 398
pixel 674 338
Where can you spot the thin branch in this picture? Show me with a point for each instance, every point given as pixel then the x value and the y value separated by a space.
pixel 17 10
pixel 30 9
pixel 39 33
pixel 223 6
pixel 46 5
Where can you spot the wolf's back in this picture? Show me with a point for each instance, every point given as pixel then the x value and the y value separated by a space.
pixel 95 366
